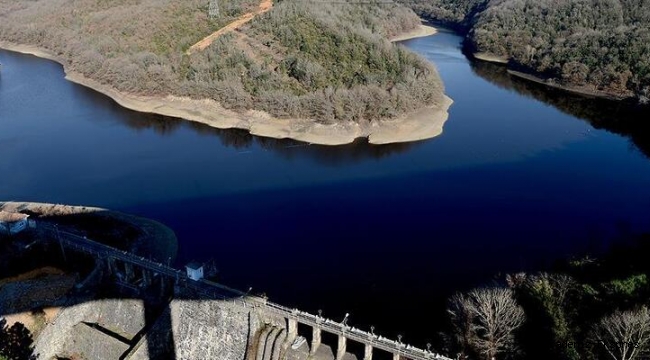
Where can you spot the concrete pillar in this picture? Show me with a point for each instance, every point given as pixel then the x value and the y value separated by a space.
pixel 109 266
pixel 129 272
pixel 163 280
pixel 146 277
pixel 367 354
pixel 315 340
pixel 396 356
pixel 341 348
pixel 293 328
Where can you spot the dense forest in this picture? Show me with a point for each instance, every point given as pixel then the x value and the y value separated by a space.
pixel 591 307
pixel 329 61
pixel 595 46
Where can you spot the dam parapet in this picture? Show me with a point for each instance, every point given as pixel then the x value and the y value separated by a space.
pixel 162 312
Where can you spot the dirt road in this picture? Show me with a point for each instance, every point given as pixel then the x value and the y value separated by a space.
pixel 265 6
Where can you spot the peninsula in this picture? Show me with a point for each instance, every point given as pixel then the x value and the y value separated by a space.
pixel 319 72
pixel 594 47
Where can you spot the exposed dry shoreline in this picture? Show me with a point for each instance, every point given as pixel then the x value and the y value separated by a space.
pixel 422 31
pixel 482 56
pixel 572 89
pixel 490 58
pixel 419 125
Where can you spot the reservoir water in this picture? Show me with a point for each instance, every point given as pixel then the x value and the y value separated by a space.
pixel 521 176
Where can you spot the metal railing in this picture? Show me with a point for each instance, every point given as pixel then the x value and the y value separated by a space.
pixel 217 291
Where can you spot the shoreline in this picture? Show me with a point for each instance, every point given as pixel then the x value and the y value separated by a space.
pixel 156 241
pixel 583 91
pixel 421 124
pixel 482 56
pixel 423 30
pixel 571 89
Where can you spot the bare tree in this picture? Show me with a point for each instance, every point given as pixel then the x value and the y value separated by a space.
pixel 561 285
pixel 625 334
pixel 485 320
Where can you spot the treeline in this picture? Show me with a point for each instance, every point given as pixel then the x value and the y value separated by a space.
pixel 627 120
pixel 329 61
pixel 454 13
pixel 588 308
pixel 592 45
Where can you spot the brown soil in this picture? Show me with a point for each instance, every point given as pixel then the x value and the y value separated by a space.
pixel 30 298
pixel 265 6
pixel 34 274
pixel 34 321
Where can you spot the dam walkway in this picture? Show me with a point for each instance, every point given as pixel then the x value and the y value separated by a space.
pixel 136 271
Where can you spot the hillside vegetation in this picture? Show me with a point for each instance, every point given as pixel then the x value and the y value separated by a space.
pixel 592 45
pixel 585 308
pixel 328 61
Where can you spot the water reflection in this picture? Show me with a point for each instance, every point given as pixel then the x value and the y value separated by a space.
pixel 239 139
pixel 617 117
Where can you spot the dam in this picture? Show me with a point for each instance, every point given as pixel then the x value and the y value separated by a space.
pixel 206 318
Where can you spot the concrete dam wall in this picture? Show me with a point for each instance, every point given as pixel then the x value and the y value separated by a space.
pixel 130 307
pixel 200 329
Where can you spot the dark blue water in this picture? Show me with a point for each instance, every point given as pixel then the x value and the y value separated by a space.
pixel 520 177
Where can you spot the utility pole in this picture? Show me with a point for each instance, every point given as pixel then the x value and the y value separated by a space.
pixel 213 9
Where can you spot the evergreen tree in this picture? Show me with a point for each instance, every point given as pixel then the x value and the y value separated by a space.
pixel 15 342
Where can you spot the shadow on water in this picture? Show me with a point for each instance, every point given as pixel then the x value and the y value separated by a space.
pixel 105 300
pixel 42 270
pixel 622 118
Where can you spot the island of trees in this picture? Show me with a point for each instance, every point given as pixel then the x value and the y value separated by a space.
pixel 601 47
pixel 327 61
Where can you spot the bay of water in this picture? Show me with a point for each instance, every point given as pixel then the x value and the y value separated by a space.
pixel 521 176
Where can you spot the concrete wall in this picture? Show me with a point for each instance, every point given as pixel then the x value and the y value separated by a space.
pixel 84 342
pixel 208 329
pixel 200 329
pixel 69 335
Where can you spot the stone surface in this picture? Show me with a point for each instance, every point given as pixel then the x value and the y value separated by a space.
pixel 157 343
pixel 85 342
pixel 124 317
pixel 207 330
pixel 187 329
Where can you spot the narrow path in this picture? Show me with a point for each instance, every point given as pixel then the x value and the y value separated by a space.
pixel 265 6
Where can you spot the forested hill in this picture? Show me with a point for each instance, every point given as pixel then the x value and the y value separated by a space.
pixel 322 60
pixel 593 45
